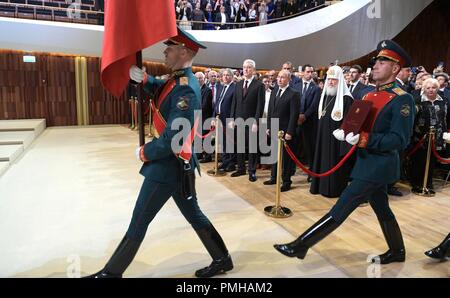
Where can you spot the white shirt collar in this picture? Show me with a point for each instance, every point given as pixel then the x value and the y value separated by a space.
pixel 400 82
pixel 283 89
pixel 355 83
pixel 249 81
pixel 425 98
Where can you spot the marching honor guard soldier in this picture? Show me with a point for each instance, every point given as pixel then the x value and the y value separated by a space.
pixel 387 130
pixel 442 251
pixel 168 173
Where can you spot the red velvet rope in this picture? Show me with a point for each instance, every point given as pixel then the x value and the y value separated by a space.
pixel 438 157
pixel 326 174
pixel 207 135
pixel 413 150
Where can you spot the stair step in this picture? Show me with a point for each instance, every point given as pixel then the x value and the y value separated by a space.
pixel 4 165
pixel 10 152
pixel 24 138
pixel 35 125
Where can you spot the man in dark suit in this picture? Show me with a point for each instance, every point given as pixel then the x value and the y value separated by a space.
pixel 355 85
pixel 222 108
pixel 222 18
pixel 443 83
pixel 207 108
pixel 307 120
pixel 283 106
pixel 403 79
pixel 293 79
pixel 248 103
pixel 214 85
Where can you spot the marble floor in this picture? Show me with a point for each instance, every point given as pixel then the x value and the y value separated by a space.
pixel 66 204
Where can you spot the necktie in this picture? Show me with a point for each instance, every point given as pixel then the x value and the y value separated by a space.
pixel 245 88
pixel 277 98
pixel 304 88
pixel 212 91
pixel 351 88
pixel 222 94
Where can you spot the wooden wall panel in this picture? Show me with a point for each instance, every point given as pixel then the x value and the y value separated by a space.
pixel 45 89
pixel 103 107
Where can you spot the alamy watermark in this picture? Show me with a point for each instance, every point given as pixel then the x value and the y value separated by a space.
pixel 73 270
pixel 374 268
pixel 374 10
pixel 233 135
pixel 74 9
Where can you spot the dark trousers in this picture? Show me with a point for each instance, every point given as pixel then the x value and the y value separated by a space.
pixel 228 159
pixel 287 165
pixel 360 191
pixel 300 152
pixel 252 157
pixel 418 163
pixel 152 196
pixel 252 162
pixel 308 141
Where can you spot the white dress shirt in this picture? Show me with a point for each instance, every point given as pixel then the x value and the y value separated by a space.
pixel 249 82
pixel 266 105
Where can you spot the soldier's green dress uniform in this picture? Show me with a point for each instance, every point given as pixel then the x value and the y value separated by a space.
pixel 163 172
pixel 376 166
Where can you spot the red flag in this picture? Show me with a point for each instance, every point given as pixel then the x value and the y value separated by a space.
pixel 131 26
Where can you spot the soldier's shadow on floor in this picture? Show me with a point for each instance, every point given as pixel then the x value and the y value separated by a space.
pixel 183 265
pixel 68 267
pixel 437 266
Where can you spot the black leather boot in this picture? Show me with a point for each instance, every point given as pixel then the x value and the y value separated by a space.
pixel 394 239
pixel 218 251
pixel 120 260
pixel 314 234
pixel 442 251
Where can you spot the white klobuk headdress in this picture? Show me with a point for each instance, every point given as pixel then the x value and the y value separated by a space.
pixel 335 72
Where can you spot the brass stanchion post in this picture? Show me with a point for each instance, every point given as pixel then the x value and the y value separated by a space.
pixel 132 126
pixel 278 211
pixel 425 191
pixel 216 172
pixel 150 126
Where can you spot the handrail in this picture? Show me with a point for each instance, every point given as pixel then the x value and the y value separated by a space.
pixel 256 22
pixel 52 8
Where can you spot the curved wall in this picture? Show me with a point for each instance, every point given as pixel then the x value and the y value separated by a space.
pixel 342 30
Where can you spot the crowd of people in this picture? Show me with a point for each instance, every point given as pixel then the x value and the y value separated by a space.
pixel 311 121
pixel 229 14
pixel 307 118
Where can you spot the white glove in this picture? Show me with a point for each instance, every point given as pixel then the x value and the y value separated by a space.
pixel 352 139
pixel 339 134
pixel 138 153
pixel 137 74
pixel 446 136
